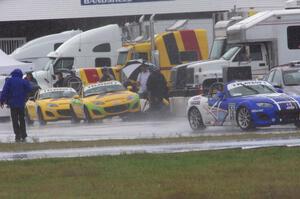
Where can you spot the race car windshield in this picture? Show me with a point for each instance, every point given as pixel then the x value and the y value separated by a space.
pixel 245 90
pixel 103 89
pixel 57 95
pixel 291 77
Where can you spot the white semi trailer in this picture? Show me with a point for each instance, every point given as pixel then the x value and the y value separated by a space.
pixel 93 48
pixel 36 50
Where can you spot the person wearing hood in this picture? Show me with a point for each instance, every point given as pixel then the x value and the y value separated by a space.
pixel 14 94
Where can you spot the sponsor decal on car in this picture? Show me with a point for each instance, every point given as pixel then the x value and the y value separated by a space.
pixel 50 90
pixel 246 83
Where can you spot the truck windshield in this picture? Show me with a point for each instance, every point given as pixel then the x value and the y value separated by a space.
pixel 218 49
pixel 231 52
pixel 122 58
pixel 49 63
pixel 64 63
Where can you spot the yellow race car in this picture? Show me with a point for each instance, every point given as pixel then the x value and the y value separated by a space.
pixel 104 99
pixel 50 104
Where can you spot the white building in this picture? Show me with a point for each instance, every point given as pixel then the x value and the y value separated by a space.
pixel 23 20
pixel 19 10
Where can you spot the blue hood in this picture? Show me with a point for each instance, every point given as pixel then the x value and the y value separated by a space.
pixel 17 73
pixel 279 99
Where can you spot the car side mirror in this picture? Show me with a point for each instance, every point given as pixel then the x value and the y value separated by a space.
pixel 130 88
pixel 279 90
pixel 32 98
pixel 276 85
pixel 76 97
pixel 220 95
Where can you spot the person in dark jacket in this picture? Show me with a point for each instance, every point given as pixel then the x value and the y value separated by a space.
pixel 106 75
pixel 157 89
pixel 30 78
pixel 14 94
pixel 60 80
pixel 34 84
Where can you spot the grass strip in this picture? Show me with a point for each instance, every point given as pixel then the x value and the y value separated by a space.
pixel 271 173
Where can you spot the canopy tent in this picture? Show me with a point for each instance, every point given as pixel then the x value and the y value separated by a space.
pixel 8 64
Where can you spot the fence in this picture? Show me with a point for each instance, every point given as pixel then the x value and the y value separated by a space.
pixel 8 45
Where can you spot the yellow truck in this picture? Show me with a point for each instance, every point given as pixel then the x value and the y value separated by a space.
pixel 174 48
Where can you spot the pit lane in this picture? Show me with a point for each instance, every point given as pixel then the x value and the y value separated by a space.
pixel 115 128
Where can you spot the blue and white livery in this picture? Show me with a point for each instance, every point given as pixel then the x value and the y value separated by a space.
pixel 248 104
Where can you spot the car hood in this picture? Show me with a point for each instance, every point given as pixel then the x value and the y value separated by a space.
pixel 109 97
pixel 59 101
pixel 281 100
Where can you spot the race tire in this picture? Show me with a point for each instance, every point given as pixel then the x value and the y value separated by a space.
pixel 73 82
pixel 74 118
pixel 244 119
pixel 297 124
pixel 129 117
pixel 87 115
pixel 41 117
pixel 195 119
pixel 28 121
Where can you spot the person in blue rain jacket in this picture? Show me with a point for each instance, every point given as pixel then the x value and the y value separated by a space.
pixel 15 93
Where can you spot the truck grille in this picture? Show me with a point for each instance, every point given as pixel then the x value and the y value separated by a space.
pixel 116 109
pixel 190 76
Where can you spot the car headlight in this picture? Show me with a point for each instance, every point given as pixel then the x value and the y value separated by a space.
pixel 264 105
pixel 52 105
pixel 131 97
pixel 98 103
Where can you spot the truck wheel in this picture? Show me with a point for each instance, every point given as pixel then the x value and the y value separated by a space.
pixel 41 117
pixel 87 115
pixel 74 118
pixel 195 119
pixel 244 119
pixel 29 122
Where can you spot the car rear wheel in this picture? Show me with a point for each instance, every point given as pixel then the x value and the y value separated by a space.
pixel 41 117
pixel 195 119
pixel 27 118
pixel 244 119
pixel 87 115
pixel 74 118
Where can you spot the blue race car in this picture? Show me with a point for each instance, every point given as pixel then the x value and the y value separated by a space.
pixel 247 104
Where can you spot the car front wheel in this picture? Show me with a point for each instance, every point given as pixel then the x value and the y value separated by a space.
pixel 244 119
pixel 27 118
pixel 195 119
pixel 74 118
pixel 297 124
pixel 87 115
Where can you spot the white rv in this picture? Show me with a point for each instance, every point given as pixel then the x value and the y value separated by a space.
pixel 220 45
pixel 262 41
pixel 93 48
pixel 36 51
